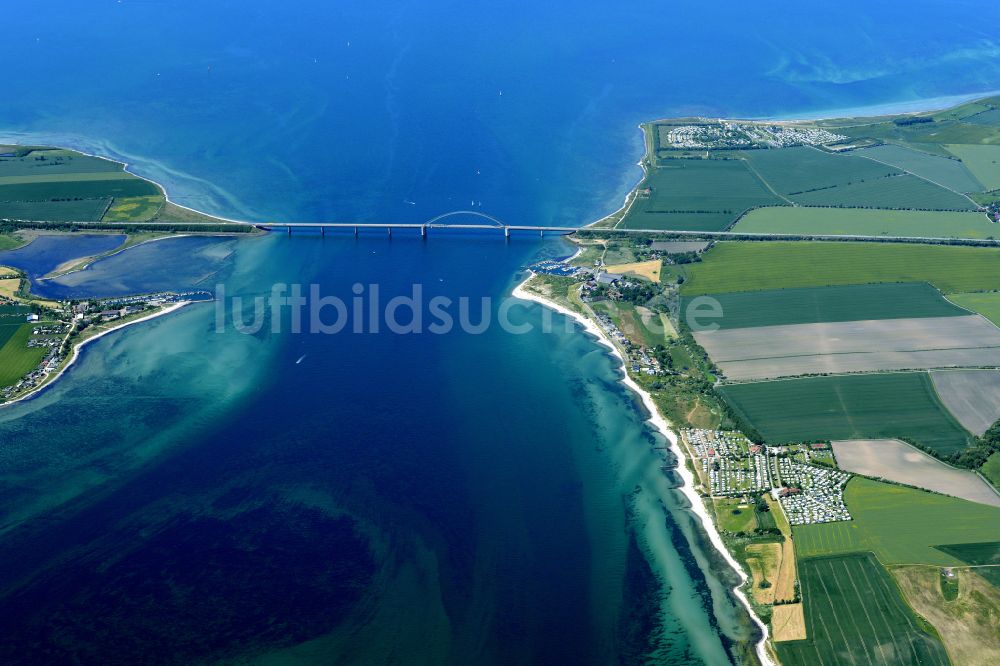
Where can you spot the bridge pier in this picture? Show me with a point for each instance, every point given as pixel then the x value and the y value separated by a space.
pixel 289 228
pixel 355 232
pixel 506 232
pixel 541 233
pixel 423 231
pixel 322 231
pixel 389 229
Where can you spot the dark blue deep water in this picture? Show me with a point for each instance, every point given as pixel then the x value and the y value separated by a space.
pixel 192 494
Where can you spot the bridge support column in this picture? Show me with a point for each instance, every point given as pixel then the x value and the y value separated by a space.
pixel 322 231
pixel 423 231
pixel 389 229
pixel 506 232
pixel 541 233
pixel 355 232
pixel 289 229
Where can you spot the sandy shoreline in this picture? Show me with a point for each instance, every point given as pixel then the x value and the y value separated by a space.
pixel 917 106
pixel 76 349
pixel 661 425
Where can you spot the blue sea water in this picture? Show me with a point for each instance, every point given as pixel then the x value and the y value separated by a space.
pixel 188 495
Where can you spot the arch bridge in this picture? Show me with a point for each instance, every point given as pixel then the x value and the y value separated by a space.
pixel 437 222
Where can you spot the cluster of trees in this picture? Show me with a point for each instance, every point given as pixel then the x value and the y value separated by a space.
pixel 913 120
pixel 971 457
pixel 638 292
pixel 983 447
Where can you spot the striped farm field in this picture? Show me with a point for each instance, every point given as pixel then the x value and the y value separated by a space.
pixel 920 343
pixel 865 406
pixel 900 525
pixel 696 194
pixel 950 173
pixel 854 614
pixel 814 305
pixel 113 186
pixel 756 266
pixel 986 303
pixel 904 191
pixel 867 222
pixel 982 161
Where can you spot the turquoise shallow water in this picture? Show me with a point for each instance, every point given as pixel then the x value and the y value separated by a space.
pixel 185 495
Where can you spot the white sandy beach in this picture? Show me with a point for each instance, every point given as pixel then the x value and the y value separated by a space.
pixel 661 425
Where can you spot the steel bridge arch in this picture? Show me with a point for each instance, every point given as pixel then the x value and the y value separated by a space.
pixel 500 223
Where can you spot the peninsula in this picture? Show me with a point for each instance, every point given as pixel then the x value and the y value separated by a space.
pixel 48 190
pixel 810 312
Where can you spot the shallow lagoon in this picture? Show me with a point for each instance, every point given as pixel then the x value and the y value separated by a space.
pixel 46 253
pixel 171 264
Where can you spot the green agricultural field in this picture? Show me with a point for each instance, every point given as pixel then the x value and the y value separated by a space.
pixel 754 266
pixel 901 525
pixel 950 173
pixel 65 177
pixel 9 328
pixel 902 191
pixel 78 189
pixel 49 162
pixel 867 222
pixel 991 469
pixel 829 304
pixel 16 358
pixel 793 171
pixel 134 209
pixel 80 210
pixel 986 303
pixel 987 552
pixel 865 406
pixel 697 195
pixel 855 615
pixel 984 556
pixel 982 161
